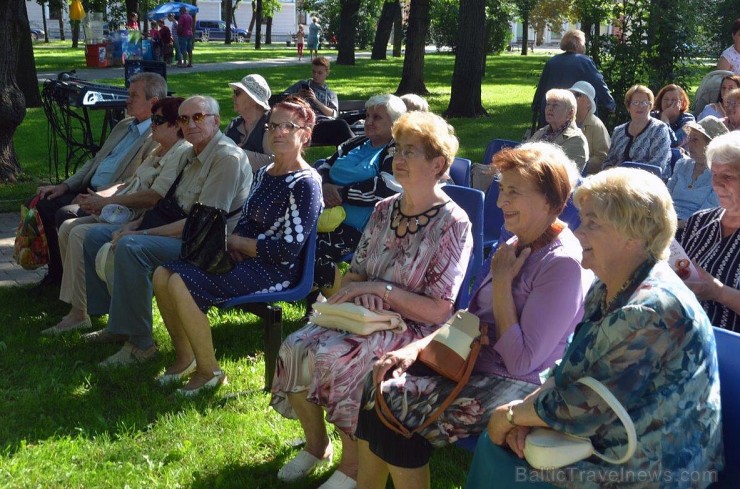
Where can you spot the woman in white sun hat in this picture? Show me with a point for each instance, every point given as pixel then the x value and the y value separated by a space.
pixel 592 127
pixel 251 98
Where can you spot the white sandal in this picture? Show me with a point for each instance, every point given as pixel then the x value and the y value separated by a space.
pixel 302 464
pixel 339 480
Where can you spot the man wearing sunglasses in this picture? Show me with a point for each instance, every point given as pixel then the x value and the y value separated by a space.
pixel 124 150
pixel 215 172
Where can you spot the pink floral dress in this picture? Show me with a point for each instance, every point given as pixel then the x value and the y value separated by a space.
pixel 330 366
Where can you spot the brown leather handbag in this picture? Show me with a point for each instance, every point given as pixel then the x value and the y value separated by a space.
pixel 452 353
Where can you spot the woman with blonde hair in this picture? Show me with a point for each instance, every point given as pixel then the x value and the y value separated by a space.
pixel 644 336
pixel 411 259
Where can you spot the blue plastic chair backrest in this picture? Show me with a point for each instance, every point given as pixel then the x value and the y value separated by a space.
pixel 675 156
pixel 497 145
pixel 570 214
pixel 460 171
pixel 728 358
pixel 301 289
pixel 493 217
pixel 471 201
pixel 655 170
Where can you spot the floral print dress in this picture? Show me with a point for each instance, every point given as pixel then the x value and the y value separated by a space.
pixel 655 352
pixel 330 366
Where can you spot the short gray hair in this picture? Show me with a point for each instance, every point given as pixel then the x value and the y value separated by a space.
pixel 211 103
pixel 393 105
pixel 573 41
pixel 415 102
pixel 154 84
pixel 724 150
pixel 564 96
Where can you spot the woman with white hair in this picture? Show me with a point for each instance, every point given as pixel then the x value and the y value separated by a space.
pixel 561 129
pixel 712 240
pixel 355 178
pixel 591 126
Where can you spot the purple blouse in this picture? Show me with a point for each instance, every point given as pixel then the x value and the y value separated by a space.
pixel 548 295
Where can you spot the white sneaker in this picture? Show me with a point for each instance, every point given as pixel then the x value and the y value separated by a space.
pixel 339 480
pixel 302 464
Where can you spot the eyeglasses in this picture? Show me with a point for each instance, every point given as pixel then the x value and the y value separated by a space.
pixel 237 92
pixel 282 126
pixel 406 154
pixel 158 120
pixel 641 103
pixel 198 118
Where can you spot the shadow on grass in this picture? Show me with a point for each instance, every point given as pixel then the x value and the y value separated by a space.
pixel 51 387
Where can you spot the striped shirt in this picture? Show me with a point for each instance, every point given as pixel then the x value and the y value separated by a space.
pixel 719 256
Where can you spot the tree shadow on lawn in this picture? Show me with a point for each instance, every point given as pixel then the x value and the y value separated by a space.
pixel 53 387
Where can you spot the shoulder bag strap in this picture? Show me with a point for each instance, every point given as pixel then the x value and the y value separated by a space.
pixel 389 419
pixel 624 417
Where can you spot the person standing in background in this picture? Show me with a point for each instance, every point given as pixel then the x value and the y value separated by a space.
pixel 185 37
pixel 300 37
pixel 133 22
pixel 175 39
pixel 314 32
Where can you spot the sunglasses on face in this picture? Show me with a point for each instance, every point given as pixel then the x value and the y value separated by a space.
pixel 158 120
pixel 237 92
pixel 198 118
pixel 282 126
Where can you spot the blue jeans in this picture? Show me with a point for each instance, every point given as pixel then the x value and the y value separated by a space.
pixel 130 306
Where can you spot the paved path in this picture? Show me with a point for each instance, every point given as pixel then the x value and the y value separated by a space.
pixel 10 272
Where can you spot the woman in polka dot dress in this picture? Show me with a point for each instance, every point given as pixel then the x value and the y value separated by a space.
pixel 277 218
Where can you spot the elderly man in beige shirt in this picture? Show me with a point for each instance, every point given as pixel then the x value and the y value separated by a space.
pixel 216 172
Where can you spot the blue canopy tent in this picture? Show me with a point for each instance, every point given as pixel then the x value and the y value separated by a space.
pixel 162 11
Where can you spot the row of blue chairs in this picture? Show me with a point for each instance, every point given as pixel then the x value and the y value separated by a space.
pixel 267 308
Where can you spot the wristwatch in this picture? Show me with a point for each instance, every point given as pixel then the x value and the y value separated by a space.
pixel 510 413
pixel 388 288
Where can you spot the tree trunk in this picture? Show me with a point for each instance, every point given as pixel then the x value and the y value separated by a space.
pixel 229 20
pixel 258 25
pixel 61 24
pixel 465 99
pixel 412 78
pixel 525 34
pixel 251 22
pixel 14 28
pixel 44 9
pixel 268 31
pixel 389 13
pixel 348 19
pixel 397 34
pixel 26 77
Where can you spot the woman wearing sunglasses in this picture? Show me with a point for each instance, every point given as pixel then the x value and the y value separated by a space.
pixel 644 139
pixel 281 211
pixel 151 181
pixel 251 98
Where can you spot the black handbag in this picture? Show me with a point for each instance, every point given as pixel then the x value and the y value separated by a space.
pixel 204 239
pixel 166 211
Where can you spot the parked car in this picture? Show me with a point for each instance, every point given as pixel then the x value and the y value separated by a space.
pixel 215 30
pixel 36 33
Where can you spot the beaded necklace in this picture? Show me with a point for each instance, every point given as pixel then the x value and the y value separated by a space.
pixel 404 225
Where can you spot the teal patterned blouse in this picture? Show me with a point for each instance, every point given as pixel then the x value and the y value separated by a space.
pixel 655 352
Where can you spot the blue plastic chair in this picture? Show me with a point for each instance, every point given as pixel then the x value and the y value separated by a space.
pixel 675 156
pixel 655 170
pixel 460 172
pixel 493 217
pixel 728 357
pixel 471 201
pixel 497 145
pixel 272 314
pixel 570 215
